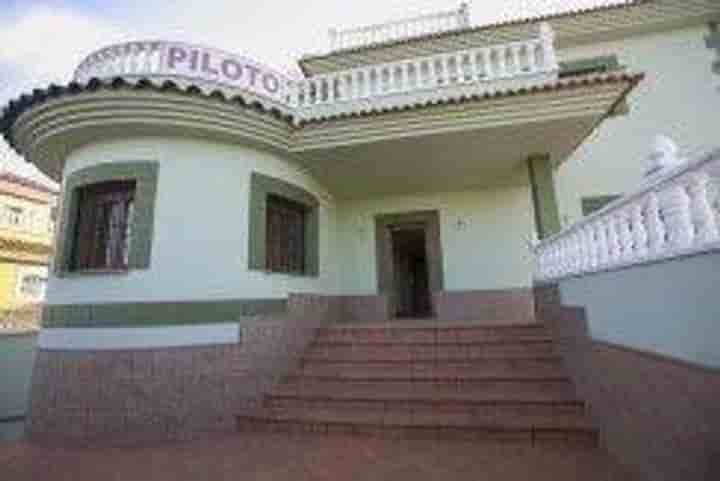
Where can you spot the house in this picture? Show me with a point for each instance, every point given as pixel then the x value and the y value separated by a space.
pixel 218 215
pixel 26 235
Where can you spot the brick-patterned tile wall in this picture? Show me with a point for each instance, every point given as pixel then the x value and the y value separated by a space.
pixel 512 305
pixel 658 416
pixel 173 393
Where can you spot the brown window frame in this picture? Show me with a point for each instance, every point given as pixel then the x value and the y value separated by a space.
pixel 101 241
pixel 285 245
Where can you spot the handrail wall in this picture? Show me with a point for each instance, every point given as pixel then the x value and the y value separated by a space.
pixel 675 212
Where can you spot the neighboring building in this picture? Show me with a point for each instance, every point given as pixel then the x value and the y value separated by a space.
pixel 26 236
pixel 206 196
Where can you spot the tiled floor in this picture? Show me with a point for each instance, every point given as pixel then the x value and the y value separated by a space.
pixel 280 457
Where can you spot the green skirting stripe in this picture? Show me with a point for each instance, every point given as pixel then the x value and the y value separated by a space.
pixel 138 314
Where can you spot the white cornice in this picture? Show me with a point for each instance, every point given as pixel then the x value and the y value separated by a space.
pixel 47 131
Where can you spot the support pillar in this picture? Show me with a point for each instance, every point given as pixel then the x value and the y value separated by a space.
pixel 547 216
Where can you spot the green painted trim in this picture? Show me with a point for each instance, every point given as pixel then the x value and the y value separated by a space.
pixel 145 175
pixel 585 66
pixel 145 314
pixel 712 41
pixel 260 187
pixel 594 203
pixel 547 215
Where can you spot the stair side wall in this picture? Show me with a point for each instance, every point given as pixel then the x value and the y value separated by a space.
pixel 130 396
pixel 659 416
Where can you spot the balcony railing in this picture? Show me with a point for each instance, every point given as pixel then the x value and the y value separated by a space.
pixel 406 82
pixel 676 212
pixel 429 78
pixel 400 29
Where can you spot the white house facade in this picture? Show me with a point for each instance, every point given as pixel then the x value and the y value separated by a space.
pixel 216 212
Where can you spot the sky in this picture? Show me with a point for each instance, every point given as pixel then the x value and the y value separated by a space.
pixel 41 41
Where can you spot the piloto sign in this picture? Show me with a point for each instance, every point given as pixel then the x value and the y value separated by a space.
pixel 214 65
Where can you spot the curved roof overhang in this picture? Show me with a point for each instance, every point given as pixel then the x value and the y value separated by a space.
pixel 47 125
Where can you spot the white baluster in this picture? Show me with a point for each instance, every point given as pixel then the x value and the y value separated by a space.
pixel 459 61
pixel 639 231
pixel 703 217
pixel 603 249
pixel 547 38
pixel 656 230
pixel 517 68
pixel 625 237
pixel 487 63
pixel 614 248
pixel 591 261
pixel 501 61
pixel 530 53
pixel 675 205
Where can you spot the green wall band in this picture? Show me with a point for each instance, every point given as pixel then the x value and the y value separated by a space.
pixel 146 314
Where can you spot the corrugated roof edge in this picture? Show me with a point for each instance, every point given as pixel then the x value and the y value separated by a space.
pixel 25 102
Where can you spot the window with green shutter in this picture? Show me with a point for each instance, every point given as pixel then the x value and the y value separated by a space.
pixel 82 228
pixel 284 227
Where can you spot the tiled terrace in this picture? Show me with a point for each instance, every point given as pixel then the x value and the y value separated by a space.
pixel 280 457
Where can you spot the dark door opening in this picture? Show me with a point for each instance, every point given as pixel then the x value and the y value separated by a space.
pixel 410 269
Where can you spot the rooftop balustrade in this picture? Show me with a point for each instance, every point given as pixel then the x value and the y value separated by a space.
pixel 388 85
pixel 400 29
pixel 429 78
pixel 675 212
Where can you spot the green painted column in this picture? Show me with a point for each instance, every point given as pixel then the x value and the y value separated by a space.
pixel 547 216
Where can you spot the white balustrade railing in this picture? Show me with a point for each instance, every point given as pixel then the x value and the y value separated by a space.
pixel 428 78
pixel 434 77
pixel 400 29
pixel 676 212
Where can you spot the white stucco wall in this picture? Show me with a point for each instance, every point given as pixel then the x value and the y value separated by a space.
pixel 679 97
pixel 482 235
pixel 200 243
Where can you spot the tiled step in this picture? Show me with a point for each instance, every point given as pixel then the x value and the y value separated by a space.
pixel 429 352
pixel 498 391
pixel 469 416
pixel 491 369
pixel 489 408
pixel 462 334
pixel 568 430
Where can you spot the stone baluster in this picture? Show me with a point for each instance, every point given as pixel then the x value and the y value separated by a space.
pixel 603 251
pixel 675 205
pixel 656 231
pixel 625 238
pixel 447 70
pixel 501 61
pixel 487 63
pixel 701 211
pixel 591 260
pixel 576 252
pixel 613 240
pixel 547 39
pixel 517 65
pixel 409 85
pixel 362 83
pixel 531 59
pixel 639 231
pixel 459 61
pixel 435 66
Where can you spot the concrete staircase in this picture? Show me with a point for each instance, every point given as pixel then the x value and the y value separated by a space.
pixel 472 382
